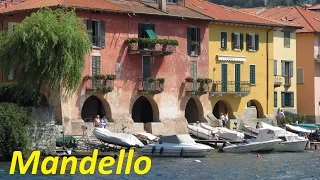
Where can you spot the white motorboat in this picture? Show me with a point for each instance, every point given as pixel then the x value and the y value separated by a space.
pixel 122 139
pixel 223 132
pixel 200 132
pixel 291 142
pixel 176 145
pixel 297 129
pixel 256 145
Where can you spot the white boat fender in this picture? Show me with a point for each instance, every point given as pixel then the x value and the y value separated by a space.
pixel 153 149
pixel 181 151
pixel 161 151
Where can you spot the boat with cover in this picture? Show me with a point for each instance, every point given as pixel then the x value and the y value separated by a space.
pixel 200 132
pixel 255 145
pixel 176 145
pixel 223 132
pixel 291 142
pixel 297 129
pixel 121 139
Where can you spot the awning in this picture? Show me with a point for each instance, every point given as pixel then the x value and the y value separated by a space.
pixel 231 58
pixel 151 33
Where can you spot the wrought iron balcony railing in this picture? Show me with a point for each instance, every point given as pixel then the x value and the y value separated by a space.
pixel 147 46
pixel 103 85
pixel 151 87
pixel 237 88
pixel 278 80
pixel 196 87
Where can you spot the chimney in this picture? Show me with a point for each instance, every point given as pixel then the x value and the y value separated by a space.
pixel 163 5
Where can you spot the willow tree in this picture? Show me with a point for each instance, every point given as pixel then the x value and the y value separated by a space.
pixel 47 47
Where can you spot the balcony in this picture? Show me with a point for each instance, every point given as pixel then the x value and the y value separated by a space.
pixel 277 80
pixel 153 47
pixel 99 83
pixel 236 88
pixel 196 88
pixel 151 85
pixel 317 58
pixel 287 81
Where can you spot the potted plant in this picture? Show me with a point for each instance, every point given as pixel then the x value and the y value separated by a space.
pixel 200 80
pixel 161 80
pixel 111 77
pixel 207 80
pixel 189 79
pixel 99 76
pixel 151 79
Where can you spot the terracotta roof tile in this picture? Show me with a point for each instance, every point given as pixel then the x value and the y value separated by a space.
pixel 28 4
pixel 301 16
pixel 228 14
pixel 93 4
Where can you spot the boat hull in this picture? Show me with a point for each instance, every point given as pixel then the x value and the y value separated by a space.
pixel 266 146
pixel 201 133
pixel 176 150
pixel 291 146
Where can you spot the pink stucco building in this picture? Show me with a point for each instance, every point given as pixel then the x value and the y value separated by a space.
pixel 132 101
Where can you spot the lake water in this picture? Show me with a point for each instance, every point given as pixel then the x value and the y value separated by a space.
pixel 302 166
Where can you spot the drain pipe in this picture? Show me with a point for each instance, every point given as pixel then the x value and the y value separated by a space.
pixel 267 51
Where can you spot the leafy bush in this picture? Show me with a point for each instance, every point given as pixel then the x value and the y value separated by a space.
pixel 14 134
pixel 12 92
pixel 292 119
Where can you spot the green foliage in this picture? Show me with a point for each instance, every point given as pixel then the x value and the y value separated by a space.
pixel 172 42
pixel 99 76
pixel 200 80
pixel 293 119
pixel 195 44
pixel 161 80
pixel 151 79
pixel 14 93
pixel 14 132
pixel 50 47
pixel 111 76
pixel 207 80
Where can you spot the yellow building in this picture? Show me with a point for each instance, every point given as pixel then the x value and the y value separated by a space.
pixel 241 61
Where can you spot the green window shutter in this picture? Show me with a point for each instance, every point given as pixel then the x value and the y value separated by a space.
pixel 291 69
pixel 89 28
pixel 95 70
pixel 234 40
pixel 252 74
pixel 146 71
pixel 275 68
pixel 189 46
pixel 150 31
pixel 275 101
pixel 256 40
pixel 223 40
pixel 241 41
pixel 292 99
pixel 102 34
pixel 224 77
pixel 199 41
pixel 282 99
pixel 283 65
pixel 248 39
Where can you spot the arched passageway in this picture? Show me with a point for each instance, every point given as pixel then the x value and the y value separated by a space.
pixel 143 111
pixel 92 107
pixel 194 110
pixel 258 108
pixel 222 107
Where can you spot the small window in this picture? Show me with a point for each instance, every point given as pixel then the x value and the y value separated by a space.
pixel 252 74
pixel 286 39
pixel 300 75
pixel 237 41
pixel 275 99
pixel 252 42
pixel 194 43
pixel 287 99
pixel 172 1
pixel 97 32
pixel 223 40
pixel 275 67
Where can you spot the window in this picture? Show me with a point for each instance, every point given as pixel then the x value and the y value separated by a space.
pixel 237 41
pixel 275 67
pixel 95 70
pixel 11 26
pixel 251 104
pixel 300 75
pixel 224 77
pixel 146 67
pixel 252 74
pixel 97 32
pixel 287 99
pixel 146 31
pixel 287 71
pixel 252 42
pixel 172 1
pixel 194 41
pixel 286 39
pixel 223 40
pixel 275 99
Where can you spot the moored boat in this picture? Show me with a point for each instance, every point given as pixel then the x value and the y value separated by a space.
pixel 176 145
pixel 121 139
pixel 297 129
pixel 200 132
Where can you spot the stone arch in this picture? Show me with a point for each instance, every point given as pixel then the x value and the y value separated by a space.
pixel 95 105
pixel 145 110
pixel 253 103
pixel 194 110
pixel 222 106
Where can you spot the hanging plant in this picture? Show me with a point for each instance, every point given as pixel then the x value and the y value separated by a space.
pixel 200 80
pixel 151 79
pixel 161 80
pixel 99 76
pixel 111 76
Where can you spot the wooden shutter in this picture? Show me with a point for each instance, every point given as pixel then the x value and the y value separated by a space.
pixel 300 74
pixel 189 40
pixel 224 77
pixel 283 68
pixel 252 74
pixel 241 41
pixel 275 99
pixel 291 69
pixel 256 40
pixel 282 99
pixel 199 40
pixel 102 34
pixel 248 39
pixel 234 40
pixel 146 67
pixel 223 40
pixel 275 67
pixel 292 99
pixel 237 77
pixel 95 70
pixel 89 28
